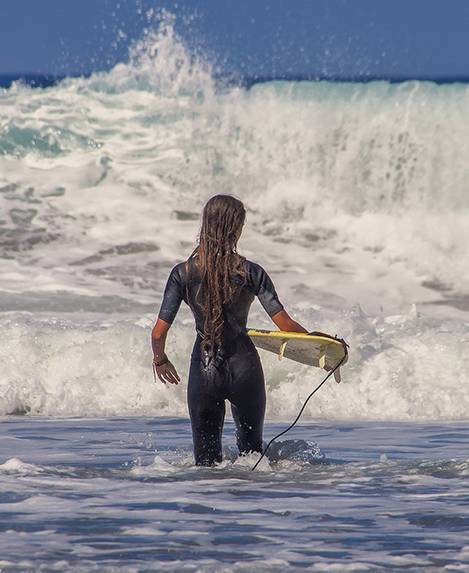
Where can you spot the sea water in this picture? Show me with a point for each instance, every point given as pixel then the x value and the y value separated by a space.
pixel 357 207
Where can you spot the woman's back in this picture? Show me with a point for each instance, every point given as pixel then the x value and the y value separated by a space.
pixel 184 284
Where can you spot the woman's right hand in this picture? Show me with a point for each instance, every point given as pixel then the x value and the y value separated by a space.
pixel 167 373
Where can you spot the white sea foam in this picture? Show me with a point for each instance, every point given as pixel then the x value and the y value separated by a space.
pixel 357 195
pixel 16 466
pixel 406 367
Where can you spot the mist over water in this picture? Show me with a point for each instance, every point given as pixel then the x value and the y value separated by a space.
pixel 358 208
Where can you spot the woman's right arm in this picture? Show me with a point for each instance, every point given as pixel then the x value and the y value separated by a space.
pixel 161 364
pixel 172 298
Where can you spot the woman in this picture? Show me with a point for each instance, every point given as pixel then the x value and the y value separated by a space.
pixel 219 285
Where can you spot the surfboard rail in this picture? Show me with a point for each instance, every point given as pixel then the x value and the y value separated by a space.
pixel 313 349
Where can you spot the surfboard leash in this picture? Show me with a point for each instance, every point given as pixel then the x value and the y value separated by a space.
pixel 329 374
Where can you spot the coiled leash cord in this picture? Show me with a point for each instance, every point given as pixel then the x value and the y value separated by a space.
pixel 336 367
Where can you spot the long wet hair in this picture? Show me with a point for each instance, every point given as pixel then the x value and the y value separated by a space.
pixel 220 266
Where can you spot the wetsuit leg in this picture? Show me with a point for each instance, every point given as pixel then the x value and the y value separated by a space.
pixel 247 396
pixel 207 412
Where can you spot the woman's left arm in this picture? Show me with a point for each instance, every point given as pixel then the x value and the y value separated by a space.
pixel 287 324
pixel 161 364
pixel 284 322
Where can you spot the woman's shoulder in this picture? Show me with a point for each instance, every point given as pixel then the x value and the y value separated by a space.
pixel 178 272
pixel 252 266
pixel 180 266
pixel 254 271
pixel 181 270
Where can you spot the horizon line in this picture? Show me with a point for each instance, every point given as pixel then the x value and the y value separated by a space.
pixel 49 79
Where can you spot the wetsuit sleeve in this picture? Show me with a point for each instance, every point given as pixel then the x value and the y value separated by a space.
pixel 264 289
pixel 173 295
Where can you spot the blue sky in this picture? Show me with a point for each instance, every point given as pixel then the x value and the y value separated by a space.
pixel 281 38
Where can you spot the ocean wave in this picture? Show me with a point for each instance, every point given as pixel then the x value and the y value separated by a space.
pixel 401 368
pixel 376 167
pixel 356 195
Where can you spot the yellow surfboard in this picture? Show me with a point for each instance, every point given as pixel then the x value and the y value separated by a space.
pixel 315 349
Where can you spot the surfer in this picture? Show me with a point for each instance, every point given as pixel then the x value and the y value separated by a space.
pixel 219 285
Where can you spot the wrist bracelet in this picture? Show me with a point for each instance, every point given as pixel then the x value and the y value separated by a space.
pixel 164 361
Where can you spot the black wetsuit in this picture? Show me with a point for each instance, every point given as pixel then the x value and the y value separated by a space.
pixel 234 374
